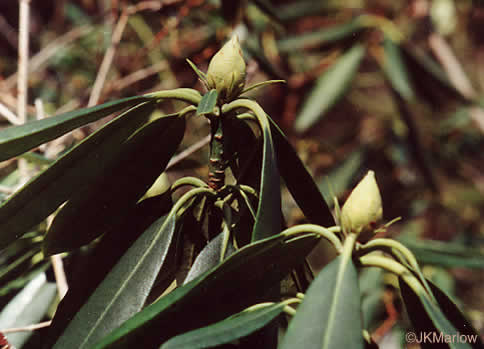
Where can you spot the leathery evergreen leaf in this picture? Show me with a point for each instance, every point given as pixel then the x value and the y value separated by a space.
pixel 330 314
pixel 208 258
pixel 98 207
pixel 329 88
pixel 207 103
pixel 124 290
pixel 80 167
pixel 228 330
pixel 396 71
pixel 268 217
pixel 254 269
pixel 114 243
pixel 16 140
pixel 427 319
pixel 299 182
pixel 455 316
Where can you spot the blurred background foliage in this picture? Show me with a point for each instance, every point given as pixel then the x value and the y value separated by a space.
pixel 392 86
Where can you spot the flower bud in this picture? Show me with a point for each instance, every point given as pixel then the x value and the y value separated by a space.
pixel 226 71
pixel 363 208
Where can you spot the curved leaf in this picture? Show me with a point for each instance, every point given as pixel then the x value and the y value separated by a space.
pixel 124 290
pixel 96 208
pixel 428 319
pixel 16 140
pixel 329 88
pixel 79 167
pixel 299 182
pixel 254 269
pixel 103 258
pixel 330 314
pixel 226 331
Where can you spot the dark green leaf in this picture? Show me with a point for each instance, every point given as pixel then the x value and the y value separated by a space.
pixel 18 139
pixel 330 314
pixel 78 168
pixel 98 207
pixel 226 331
pixel 455 316
pixel 299 182
pixel 208 103
pixel 316 38
pixel 102 259
pixel 329 88
pixel 428 319
pixel 396 71
pixel 253 269
pixel 124 290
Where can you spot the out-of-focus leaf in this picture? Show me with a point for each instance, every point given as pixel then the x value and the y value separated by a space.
pixel 396 71
pixel 427 317
pixel 79 167
pixel 446 254
pixel 124 290
pixel 298 9
pixel 104 256
pixel 330 314
pixel 21 262
pixel 299 182
pixel 254 269
pixel 228 330
pixel 329 88
pixel 207 103
pixel 266 7
pixel 208 258
pixel 339 179
pixel 428 73
pixel 320 37
pixel 27 307
pixel 95 209
pixel 18 139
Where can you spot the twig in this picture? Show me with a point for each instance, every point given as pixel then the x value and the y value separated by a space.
pixel 189 151
pixel 22 81
pixel 8 114
pixel 58 266
pixel 108 59
pixel 47 52
pixel 138 75
pixel 27 328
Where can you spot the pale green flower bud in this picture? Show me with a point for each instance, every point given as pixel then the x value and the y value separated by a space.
pixel 226 71
pixel 363 208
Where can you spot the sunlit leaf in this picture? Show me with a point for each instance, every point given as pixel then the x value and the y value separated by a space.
pixel 124 290
pixel 254 269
